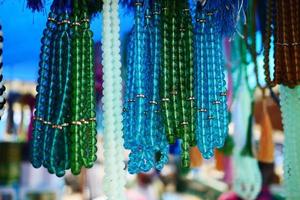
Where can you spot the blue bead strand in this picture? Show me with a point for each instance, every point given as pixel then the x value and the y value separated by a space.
pixel 42 93
pixel 212 115
pixel 143 130
pixel 160 145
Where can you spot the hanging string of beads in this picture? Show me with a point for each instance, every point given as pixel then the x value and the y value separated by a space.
pixel 64 134
pixel 136 95
pixel 160 101
pixel 56 158
pixel 177 95
pixel 210 82
pixel 186 83
pixel 2 87
pixel 282 24
pixel 146 141
pixel 156 131
pixel 120 185
pixel 214 20
pixel 42 94
pixel 289 102
pixel 114 180
pixel 165 78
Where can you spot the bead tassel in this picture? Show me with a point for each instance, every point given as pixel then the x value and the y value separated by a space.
pixel 66 79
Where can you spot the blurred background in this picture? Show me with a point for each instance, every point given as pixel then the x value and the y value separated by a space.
pixel 206 180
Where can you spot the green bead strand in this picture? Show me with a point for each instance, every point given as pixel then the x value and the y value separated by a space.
pixel 189 54
pixel 177 116
pixel 90 109
pixel 59 156
pixel 165 78
pixel 76 133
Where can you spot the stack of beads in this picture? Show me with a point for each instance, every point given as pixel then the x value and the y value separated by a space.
pixel 64 134
pixel 158 142
pixel 136 97
pixel 290 111
pixel 210 82
pixel 177 79
pixel 186 83
pixel 283 23
pixel 114 179
pixel 146 139
pixel 2 87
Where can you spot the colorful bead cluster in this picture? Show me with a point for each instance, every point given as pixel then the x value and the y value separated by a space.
pixel 192 101
pixel 174 90
pixel 2 87
pixel 282 35
pixel 64 134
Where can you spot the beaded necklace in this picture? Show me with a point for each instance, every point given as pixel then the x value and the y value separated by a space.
pixel 146 140
pixel 2 87
pixel 165 79
pixel 120 185
pixel 290 111
pixel 177 77
pixel 210 84
pixel 156 131
pixel 66 79
pixel 137 94
pixel 56 157
pixel 282 23
pixel 186 84
pixel 42 94
pixel 114 180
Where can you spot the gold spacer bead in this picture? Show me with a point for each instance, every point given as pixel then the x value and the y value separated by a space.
pixel 202 110
pixel 153 102
pixel 184 123
pixel 165 99
pixel 216 102
pixel 140 96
